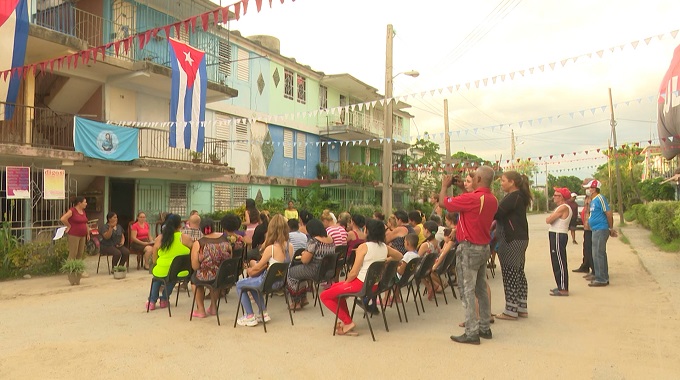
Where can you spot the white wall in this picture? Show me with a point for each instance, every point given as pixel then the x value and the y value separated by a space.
pixel 120 104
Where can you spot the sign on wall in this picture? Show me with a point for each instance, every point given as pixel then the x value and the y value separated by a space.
pixel 54 184
pixel 18 182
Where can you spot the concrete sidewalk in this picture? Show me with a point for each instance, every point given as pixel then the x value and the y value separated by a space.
pixel 663 267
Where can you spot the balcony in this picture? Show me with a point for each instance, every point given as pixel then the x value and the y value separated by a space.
pixel 360 126
pixel 147 64
pixel 47 129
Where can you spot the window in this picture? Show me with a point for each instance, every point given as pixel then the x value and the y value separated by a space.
pixel 222 197
pixel 323 154
pixel 241 137
pixel 288 84
pixel 288 143
pixel 242 64
pixel 301 145
pixel 224 67
pixel 301 89
pixel 287 194
pixel 323 97
pixel 239 195
pixel 177 204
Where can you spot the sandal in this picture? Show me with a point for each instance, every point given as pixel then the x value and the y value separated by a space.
pixel 505 317
pixel 196 314
pixel 339 330
pixel 523 315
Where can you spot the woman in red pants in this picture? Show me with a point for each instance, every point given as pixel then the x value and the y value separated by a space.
pixel 374 249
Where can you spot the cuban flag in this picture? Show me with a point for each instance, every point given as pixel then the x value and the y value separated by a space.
pixel 13 38
pixel 187 97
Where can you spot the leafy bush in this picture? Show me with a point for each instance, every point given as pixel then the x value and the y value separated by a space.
pixel 661 215
pixel 274 206
pixel 629 215
pixel 218 215
pixel 424 207
pixel 654 190
pixel 641 215
pixel 365 210
pixel 37 258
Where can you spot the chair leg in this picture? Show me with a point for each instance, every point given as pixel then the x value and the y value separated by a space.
pixel 417 295
pixel 264 323
pixel 165 290
pixel 335 323
pixel 383 309
pixel 193 303
pixel 238 307
pixel 403 306
pixel 217 307
pixel 148 305
pixel 367 317
pixel 318 299
pixel 409 290
pixel 108 266
pixel 443 290
pixel 394 294
pixel 98 261
pixel 453 288
pixel 415 292
pixel 290 313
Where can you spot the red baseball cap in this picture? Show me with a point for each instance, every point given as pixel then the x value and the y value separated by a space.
pixel 566 193
pixel 594 184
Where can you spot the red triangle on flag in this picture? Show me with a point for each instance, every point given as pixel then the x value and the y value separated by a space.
pixel 5 74
pixel 142 38
pixel 205 17
pixel 245 6
pixel 258 4
pixel 216 16
pixel 237 10
pixel 225 14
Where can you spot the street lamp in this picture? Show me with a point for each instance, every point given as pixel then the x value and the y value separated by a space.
pixel 387 121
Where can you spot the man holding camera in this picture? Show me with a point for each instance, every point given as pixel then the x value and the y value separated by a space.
pixel 477 210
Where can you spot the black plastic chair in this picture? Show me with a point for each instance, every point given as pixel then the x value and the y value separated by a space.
pixel 405 280
pixel 297 256
pixel 349 263
pixel 341 252
pixel 373 276
pixel 227 275
pixel 179 264
pixel 443 270
pixel 108 265
pixel 389 279
pixel 422 273
pixel 275 279
pixel 326 273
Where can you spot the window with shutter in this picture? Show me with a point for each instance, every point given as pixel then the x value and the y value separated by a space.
pixel 239 195
pixel 288 89
pixel 301 89
pixel 323 97
pixel 301 146
pixel 243 62
pixel 222 197
pixel 177 204
pixel 224 67
pixel 288 144
pixel 241 137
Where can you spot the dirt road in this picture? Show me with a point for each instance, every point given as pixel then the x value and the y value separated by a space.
pixel 630 329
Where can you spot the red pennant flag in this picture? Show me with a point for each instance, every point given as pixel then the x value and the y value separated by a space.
pixel 192 22
pixel 598 150
pixel 68 62
pixel 518 160
pixel 529 159
pixel 562 155
pixel 216 16
pixel 43 65
pixel 95 52
pixel 225 14
pixel 60 62
pixel 663 139
pixel 177 26
pixel 126 45
pixel 623 146
pixel 282 1
pixel 270 3
pixel 649 141
pixel 237 10
pixel 205 17
pixel 539 158
pixel 103 49
pixel 551 156
pixel 4 75
pixel 31 68
pixel 154 32
pixel 574 153
pixel 166 30
pixel 85 56
pixel 116 47
pixel 245 6
pixel 507 161
pixel 258 4
pixel 147 35
pixel 142 39
pixel 52 65
pixel 75 60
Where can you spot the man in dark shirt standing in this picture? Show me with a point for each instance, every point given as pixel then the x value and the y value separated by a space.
pixel 477 210
pixel 574 216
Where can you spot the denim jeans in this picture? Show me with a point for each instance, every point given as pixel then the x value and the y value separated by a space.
pixel 473 265
pixel 245 300
pixel 156 287
pixel 600 263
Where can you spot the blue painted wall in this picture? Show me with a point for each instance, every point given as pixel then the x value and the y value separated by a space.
pixel 292 167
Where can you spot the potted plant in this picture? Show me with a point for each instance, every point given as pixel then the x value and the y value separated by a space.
pixel 215 158
pixel 322 171
pixel 196 157
pixel 74 268
pixel 119 272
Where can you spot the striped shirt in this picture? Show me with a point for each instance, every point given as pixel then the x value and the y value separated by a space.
pixel 338 233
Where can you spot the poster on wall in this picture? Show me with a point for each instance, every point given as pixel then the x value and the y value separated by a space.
pixel 54 184
pixel 18 182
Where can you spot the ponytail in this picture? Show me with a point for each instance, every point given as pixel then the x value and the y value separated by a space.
pixel 522 183
pixel 170 226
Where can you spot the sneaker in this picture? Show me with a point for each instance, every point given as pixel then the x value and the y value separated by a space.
pixel 150 306
pixel 164 304
pixel 247 321
pixel 267 318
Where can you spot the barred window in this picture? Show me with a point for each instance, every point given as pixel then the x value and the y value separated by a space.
pixel 222 196
pixel 177 204
pixel 239 195
pixel 301 89
pixel 287 194
pixel 288 89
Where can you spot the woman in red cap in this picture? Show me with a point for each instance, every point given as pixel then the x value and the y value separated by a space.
pixel 559 236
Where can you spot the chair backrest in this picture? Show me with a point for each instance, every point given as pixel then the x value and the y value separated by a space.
pixel 275 277
pixel 327 267
pixel 228 272
pixel 425 267
pixel 373 277
pixel 448 261
pixel 341 250
pixel 350 259
pixel 179 264
pixel 409 271
pixel 389 276
pixel 238 253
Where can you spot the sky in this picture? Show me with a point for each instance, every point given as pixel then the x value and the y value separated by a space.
pixel 455 42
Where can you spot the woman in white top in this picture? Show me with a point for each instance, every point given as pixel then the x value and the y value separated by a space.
pixel 374 249
pixel 558 232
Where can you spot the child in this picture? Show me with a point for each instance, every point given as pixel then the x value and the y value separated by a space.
pixel 410 242
pixel 430 247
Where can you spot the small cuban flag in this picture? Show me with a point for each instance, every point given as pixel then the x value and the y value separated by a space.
pixel 13 38
pixel 187 97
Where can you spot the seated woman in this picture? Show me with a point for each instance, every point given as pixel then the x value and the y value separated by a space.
pixel 276 249
pixel 395 237
pixel 113 240
pixel 430 247
pixel 140 240
pixel 375 249
pixel 207 254
pixel 230 224
pixel 318 246
pixel 334 230
pixel 169 244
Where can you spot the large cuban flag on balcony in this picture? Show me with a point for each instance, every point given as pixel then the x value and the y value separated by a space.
pixel 13 37
pixel 187 97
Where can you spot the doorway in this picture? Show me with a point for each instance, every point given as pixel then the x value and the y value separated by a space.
pixel 122 200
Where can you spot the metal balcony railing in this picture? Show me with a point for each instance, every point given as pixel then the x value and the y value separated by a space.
pixel 48 129
pixel 356 119
pixel 154 144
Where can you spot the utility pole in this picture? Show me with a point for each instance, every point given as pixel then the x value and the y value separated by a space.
pixel 512 147
pixel 609 166
pixel 447 138
pixel 547 192
pixel 387 144
pixel 612 122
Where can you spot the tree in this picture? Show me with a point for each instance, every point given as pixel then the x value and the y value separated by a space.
pixel 653 190
pixel 630 165
pixel 425 154
pixel 571 182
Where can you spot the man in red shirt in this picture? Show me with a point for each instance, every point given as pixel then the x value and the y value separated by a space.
pixel 477 210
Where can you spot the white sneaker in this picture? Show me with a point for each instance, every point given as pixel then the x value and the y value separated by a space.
pixel 247 321
pixel 267 318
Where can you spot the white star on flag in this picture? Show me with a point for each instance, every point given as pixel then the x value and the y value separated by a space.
pixel 187 58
